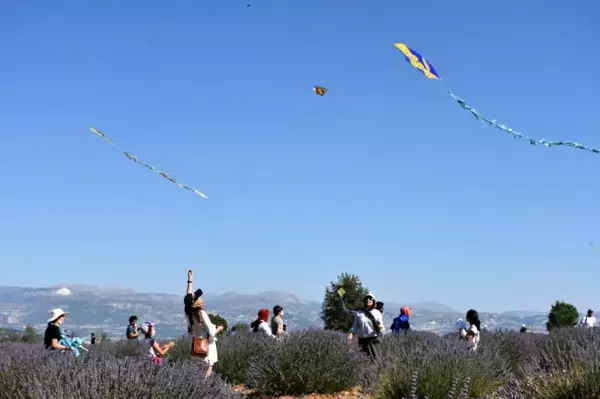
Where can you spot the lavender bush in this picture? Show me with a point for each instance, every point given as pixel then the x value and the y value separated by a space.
pixel 563 364
pixel 443 366
pixel 566 364
pixel 29 371
pixel 312 361
pixel 236 353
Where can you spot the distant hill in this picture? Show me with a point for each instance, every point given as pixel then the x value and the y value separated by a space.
pixel 521 313
pixel 107 309
pixel 432 307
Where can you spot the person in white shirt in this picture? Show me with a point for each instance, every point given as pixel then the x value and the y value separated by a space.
pixel 368 325
pixel 470 332
pixel 589 321
pixel 261 325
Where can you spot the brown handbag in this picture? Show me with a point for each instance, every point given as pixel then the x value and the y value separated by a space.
pixel 199 347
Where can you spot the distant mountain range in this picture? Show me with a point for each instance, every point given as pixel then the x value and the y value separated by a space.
pixel 107 309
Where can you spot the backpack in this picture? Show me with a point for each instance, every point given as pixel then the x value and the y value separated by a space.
pixel 400 323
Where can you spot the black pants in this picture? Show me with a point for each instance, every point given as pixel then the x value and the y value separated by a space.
pixel 370 346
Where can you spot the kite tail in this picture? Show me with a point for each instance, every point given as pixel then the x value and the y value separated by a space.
pixel 150 167
pixel 514 133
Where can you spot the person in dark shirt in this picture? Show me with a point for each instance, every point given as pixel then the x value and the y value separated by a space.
pixel 132 328
pixel 93 339
pixel 52 335
pixel 523 328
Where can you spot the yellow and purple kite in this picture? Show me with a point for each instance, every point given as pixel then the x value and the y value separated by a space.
pixel 415 59
pixel 427 69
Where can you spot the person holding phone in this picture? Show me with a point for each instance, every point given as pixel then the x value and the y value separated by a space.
pixel 199 324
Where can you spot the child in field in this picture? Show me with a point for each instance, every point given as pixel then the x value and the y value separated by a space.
pixel 155 350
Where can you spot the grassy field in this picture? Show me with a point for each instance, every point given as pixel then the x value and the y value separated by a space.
pixel 564 364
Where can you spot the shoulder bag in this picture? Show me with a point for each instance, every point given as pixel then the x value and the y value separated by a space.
pixel 200 345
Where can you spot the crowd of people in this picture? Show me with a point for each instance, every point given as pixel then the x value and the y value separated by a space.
pixel 367 326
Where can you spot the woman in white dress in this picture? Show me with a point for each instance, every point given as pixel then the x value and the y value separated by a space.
pixel 199 324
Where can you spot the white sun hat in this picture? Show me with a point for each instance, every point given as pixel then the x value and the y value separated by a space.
pixel 56 313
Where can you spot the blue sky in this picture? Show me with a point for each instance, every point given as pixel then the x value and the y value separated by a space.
pixel 385 176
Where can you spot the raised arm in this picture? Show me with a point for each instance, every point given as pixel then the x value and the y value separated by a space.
pixel 345 309
pixel 162 350
pixel 190 281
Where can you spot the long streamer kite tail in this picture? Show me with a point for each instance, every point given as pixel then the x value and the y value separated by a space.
pixel 150 167
pixel 516 134
pixel 200 194
pixel 102 135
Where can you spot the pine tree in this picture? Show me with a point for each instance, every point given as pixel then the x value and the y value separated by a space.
pixel 332 313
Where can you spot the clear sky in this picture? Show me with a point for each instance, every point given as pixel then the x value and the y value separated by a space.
pixel 385 176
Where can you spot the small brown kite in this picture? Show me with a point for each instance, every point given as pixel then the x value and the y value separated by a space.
pixel 320 90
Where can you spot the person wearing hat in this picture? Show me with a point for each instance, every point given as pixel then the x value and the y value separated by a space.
pixel 589 321
pixel 261 324
pixel 368 325
pixel 52 335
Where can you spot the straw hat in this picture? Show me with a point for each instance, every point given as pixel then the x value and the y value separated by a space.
pixel 56 313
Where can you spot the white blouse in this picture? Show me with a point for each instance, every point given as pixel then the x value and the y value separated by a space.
pixel 202 328
pixel 363 327
pixel 474 342
pixel 265 330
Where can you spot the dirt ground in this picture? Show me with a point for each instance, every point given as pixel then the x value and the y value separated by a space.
pixel 341 395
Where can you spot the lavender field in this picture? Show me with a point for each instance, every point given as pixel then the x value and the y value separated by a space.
pixel 564 364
